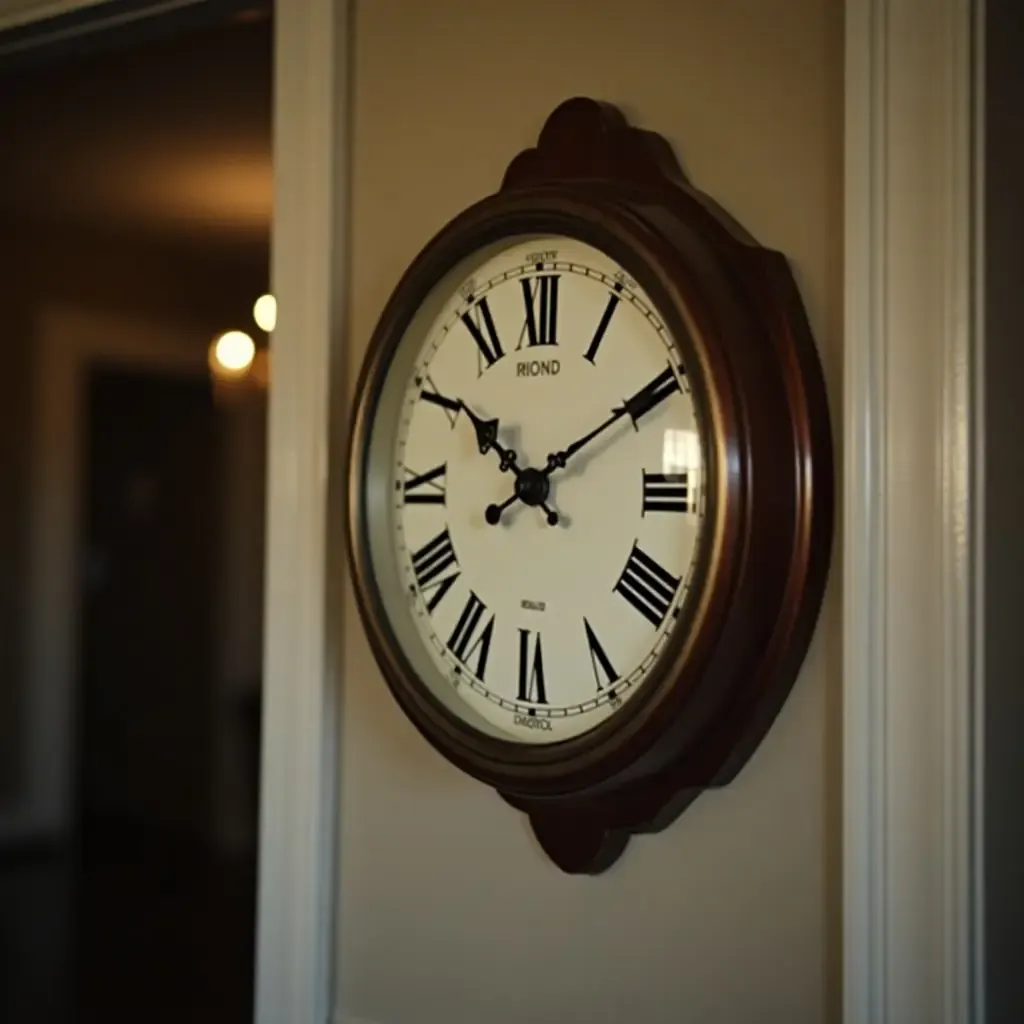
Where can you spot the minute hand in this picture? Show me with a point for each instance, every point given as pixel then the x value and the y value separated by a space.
pixel 638 405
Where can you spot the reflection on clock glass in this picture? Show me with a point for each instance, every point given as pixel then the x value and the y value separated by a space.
pixel 547 489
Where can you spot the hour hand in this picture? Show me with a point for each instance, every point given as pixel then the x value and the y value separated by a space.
pixel 487 440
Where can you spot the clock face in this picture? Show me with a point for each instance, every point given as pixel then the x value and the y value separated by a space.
pixel 535 490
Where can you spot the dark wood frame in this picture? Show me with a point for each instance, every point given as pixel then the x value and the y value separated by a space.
pixel 735 311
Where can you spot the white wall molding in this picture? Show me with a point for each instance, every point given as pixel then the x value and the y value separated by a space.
pixel 299 800
pixel 910 759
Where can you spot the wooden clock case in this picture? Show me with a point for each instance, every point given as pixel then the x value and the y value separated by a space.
pixel 734 308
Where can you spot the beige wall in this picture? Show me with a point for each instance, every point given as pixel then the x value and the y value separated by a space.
pixel 448 912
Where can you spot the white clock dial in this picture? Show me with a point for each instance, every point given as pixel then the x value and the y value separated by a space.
pixel 534 567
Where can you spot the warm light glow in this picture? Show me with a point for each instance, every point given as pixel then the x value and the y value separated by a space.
pixel 681 463
pixel 680 451
pixel 265 313
pixel 234 189
pixel 259 372
pixel 233 352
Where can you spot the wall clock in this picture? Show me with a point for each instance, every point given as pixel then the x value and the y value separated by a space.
pixel 590 488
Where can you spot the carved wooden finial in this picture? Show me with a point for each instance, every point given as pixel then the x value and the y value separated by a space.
pixel 590 140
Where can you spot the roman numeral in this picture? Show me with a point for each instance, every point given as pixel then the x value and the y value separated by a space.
pixel 598 659
pixel 425 489
pixel 602 326
pixel 651 395
pixel 531 669
pixel 647 586
pixel 465 640
pixel 431 394
pixel 480 324
pixel 666 492
pixel 436 557
pixel 541 298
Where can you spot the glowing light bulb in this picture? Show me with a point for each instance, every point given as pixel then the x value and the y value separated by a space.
pixel 265 313
pixel 234 352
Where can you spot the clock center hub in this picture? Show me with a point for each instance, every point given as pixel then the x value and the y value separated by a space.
pixel 532 487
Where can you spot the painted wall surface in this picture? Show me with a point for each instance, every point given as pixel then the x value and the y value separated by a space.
pixel 448 910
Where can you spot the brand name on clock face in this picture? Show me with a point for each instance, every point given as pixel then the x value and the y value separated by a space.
pixel 529 722
pixel 538 368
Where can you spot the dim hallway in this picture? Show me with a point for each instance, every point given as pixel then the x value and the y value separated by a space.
pixel 139 907
pixel 132 464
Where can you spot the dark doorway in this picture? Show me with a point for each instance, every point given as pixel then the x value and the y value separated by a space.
pixel 164 926
pixel 138 192
pixel 147 605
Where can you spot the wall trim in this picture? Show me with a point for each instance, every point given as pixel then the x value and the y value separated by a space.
pixel 911 942
pixel 299 799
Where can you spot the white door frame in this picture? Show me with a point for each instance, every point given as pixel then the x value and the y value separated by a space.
pixel 299 810
pixel 912 912
pixel 912 936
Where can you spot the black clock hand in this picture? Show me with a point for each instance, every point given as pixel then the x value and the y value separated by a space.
pixel 557 460
pixel 651 395
pixel 493 512
pixel 528 492
pixel 487 440
pixel 635 407
pixel 531 485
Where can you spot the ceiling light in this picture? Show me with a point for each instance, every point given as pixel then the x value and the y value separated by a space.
pixel 265 313
pixel 232 353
